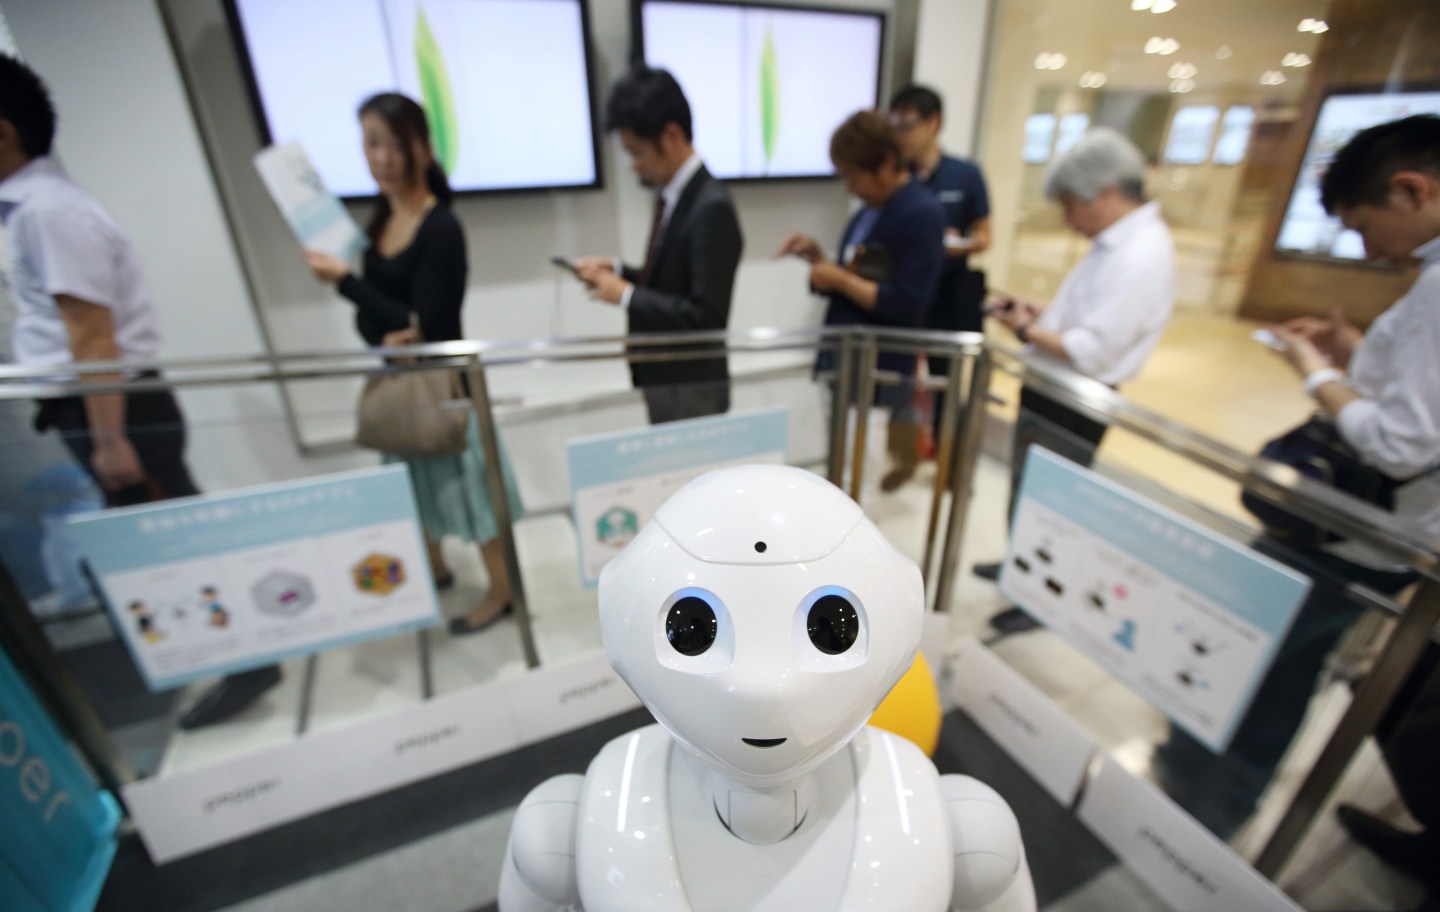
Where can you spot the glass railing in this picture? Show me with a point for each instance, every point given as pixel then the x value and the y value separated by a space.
pixel 546 410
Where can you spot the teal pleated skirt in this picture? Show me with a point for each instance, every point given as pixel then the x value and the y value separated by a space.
pixel 452 494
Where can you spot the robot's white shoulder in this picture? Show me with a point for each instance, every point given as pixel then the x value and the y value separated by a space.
pixel 990 868
pixel 540 873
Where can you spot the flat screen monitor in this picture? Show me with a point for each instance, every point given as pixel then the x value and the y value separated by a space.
pixel 1192 131
pixel 505 84
pixel 1306 229
pixel 1072 127
pixel 1039 137
pixel 767 85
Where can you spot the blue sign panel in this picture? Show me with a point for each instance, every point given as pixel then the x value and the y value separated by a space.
pixel 209 585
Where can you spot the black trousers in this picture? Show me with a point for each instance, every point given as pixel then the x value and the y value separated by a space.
pixel 1055 426
pixel 679 401
pixel 156 430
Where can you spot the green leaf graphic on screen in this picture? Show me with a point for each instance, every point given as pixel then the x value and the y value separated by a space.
pixel 769 96
pixel 435 88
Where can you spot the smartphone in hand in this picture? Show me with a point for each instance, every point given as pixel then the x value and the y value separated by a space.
pixel 562 263
pixel 1268 339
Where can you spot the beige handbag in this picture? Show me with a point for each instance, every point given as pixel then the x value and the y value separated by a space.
pixel 410 414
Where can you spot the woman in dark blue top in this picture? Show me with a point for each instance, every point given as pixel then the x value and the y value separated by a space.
pixel 416 265
pixel 891 255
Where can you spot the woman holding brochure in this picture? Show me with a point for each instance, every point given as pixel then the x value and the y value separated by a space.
pixel 416 264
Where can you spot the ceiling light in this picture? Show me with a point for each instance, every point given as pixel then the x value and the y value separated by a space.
pixel 1181 86
pixel 1163 46
pixel 1272 78
pixel 1296 60
pixel 1092 79
pixel 1139 5
pixel 1161 6
pixel 1171 46
pixel 1182 70
pixel 1047 61
pixel 1223 52
pixel 1313 26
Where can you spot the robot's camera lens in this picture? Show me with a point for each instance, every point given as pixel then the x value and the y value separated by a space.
pixel 690 626
pixel 833 624
pixel 760 547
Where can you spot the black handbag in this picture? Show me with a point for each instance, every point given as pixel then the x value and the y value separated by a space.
pixel 1316 450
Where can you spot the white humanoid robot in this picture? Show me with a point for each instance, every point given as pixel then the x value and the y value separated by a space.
pixel 762 618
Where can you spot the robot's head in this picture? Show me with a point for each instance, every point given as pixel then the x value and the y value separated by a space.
pixel 762 618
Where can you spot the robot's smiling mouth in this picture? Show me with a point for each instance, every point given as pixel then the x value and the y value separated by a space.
pixel 764 742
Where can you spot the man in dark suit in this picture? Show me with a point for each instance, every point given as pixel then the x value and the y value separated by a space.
pixel 690 260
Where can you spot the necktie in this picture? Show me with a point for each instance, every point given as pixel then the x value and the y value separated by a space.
pixel 653 248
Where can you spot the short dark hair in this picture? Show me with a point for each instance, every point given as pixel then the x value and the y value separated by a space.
pixel 923 100
pixel 865 140
pixel 1361 171
pixel 25 102
pixel 644 101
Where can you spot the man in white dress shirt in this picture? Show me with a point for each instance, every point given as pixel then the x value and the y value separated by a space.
pixel 1109 312
pixel 1383 391
pixel 80 295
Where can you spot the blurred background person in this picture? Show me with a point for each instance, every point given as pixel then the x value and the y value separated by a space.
pixel 688 277
pixel 1106 317
pixel 416 264
pixel 891 255
pixel 917 116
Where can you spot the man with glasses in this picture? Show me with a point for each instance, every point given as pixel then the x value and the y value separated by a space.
pixel 916 115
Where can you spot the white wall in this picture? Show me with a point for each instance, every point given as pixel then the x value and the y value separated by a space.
pixel 125 132
pixel 950 55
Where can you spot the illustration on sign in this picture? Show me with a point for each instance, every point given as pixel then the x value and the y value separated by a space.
pixel 381 574
pixel 1187 617
pixel 218 583
pixel 616 527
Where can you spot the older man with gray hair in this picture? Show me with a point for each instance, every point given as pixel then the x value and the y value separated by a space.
pixel 1109 311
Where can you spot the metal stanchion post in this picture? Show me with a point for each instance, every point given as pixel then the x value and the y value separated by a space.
pixel 1376 692
pixel 944 455
pixel 864 397
pixel 840 409
pixel 962 479
pixel 500 504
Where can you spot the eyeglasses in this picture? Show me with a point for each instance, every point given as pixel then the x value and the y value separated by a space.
pixel 903 124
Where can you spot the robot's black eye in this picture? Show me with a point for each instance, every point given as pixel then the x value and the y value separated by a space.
pixel 690 626
pixel 833 624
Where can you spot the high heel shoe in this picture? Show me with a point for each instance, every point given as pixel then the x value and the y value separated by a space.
pixel 461 626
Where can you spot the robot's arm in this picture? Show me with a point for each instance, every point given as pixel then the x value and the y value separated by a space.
pixel 990 868
pixel 539 872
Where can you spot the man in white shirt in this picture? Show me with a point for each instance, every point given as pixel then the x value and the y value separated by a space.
pixel 1383 391
pixel 80 295
pixel 688 276
pixel 1109 312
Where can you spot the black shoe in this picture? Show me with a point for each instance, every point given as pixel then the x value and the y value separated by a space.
pixel 234 694
pixel 989 572
pixel 1413 853
pixel 1013 620
pixel 461 626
